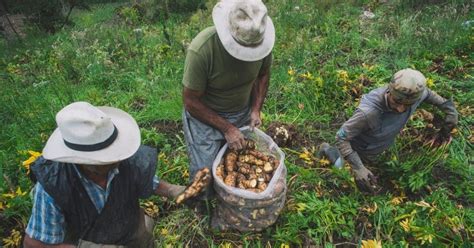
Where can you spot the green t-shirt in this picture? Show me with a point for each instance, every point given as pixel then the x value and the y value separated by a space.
pixel 226 81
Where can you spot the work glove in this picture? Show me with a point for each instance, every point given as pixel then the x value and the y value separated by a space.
pixel 443 137
pixel 234 138
pixel 255 120
pixel 364 179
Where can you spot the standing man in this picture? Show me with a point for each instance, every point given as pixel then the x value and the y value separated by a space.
pixel 379 118
pixel 226 77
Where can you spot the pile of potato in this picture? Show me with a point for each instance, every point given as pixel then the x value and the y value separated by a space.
pixel 247 169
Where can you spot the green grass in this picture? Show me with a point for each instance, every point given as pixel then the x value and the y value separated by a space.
pixel 324 51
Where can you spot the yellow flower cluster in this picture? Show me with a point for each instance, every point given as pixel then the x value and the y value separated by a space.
pixel 430 82
pixel 151 209
pixel 13 240
pixel 371 243
pixel 33 157
pixel 15 194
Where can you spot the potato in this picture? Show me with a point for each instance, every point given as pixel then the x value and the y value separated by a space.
pixel 261 186
pixel 200 182
pixel 230 179
pixel 230 159
pixel 247 169
pixel 243 168
pixel 267 167
pixel 220 171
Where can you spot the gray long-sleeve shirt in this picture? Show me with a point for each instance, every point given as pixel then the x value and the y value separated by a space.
pixel 374 126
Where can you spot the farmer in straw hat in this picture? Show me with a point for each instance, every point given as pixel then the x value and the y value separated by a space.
pixel 92 173
pixel 226 77
pixel 380 116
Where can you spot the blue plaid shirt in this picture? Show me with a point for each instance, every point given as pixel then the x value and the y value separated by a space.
pixel 47 221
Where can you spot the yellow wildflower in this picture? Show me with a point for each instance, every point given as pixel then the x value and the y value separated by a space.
pixel 186 173
pixel 324 162
pixel 284 246
pixel 397 200
pixel 370 209
pixel 300 207
pixel 27 163
pixel 291 72
pixel 343 76
pixel 164 231
pixel 151 209
pixel 226 245
pixel 13 69
pixel 429 82
pixel 319 81
pixel 13 240
pixel 12 195
pixel 371 243
pixel 307 75
pixel 405 224
pixel 368 67
pixel 425 237
pixel 306 156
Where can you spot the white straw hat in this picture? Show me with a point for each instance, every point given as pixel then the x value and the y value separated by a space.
pixel 243 27
pixel 92 135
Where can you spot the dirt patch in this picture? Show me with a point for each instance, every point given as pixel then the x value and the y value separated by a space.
pixel 283 134
pixel 167 127
pixel 12 26
pixel 307 134
pixel 138 103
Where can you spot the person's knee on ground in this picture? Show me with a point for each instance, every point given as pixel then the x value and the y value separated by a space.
pixel 332 154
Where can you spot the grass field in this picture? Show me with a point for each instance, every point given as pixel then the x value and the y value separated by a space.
pixel 326 55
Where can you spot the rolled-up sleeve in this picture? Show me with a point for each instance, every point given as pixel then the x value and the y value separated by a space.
pixel 46 223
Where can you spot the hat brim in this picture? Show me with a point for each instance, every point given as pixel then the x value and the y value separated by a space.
pixel 125 145
pixel 220 15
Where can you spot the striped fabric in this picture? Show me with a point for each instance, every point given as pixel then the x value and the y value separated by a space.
pixel 47 223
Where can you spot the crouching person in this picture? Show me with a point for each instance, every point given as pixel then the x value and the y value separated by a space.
pixel 89 181
pixel 379 118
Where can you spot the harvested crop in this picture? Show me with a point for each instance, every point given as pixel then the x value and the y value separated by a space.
pixel 247 169
pixel 230 159
pixel 200 182
pixel 231 179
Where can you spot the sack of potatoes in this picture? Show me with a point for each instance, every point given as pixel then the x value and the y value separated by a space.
pixel 250 184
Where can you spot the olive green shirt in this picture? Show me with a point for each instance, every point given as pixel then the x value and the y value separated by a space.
pixel 226 81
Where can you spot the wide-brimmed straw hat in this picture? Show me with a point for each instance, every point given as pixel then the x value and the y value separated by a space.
pixel 92 135
pixel 244 28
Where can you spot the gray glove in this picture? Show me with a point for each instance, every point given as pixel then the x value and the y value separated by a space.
pixel 364 179
pixel 451 119
pixel 443 137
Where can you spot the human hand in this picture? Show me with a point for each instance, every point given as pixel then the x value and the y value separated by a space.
pixel 364 179
pixel 234 138
pixel 255 120
pixel 442 138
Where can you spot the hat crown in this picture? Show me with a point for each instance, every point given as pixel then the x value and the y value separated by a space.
pixel 408 84
pixel 247 21
pixel 83 124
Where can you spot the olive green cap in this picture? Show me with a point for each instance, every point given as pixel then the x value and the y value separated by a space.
pixel 407 86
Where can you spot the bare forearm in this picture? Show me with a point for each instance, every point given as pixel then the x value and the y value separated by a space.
pixel 33 243
pixel 259 91
pixel 203 113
